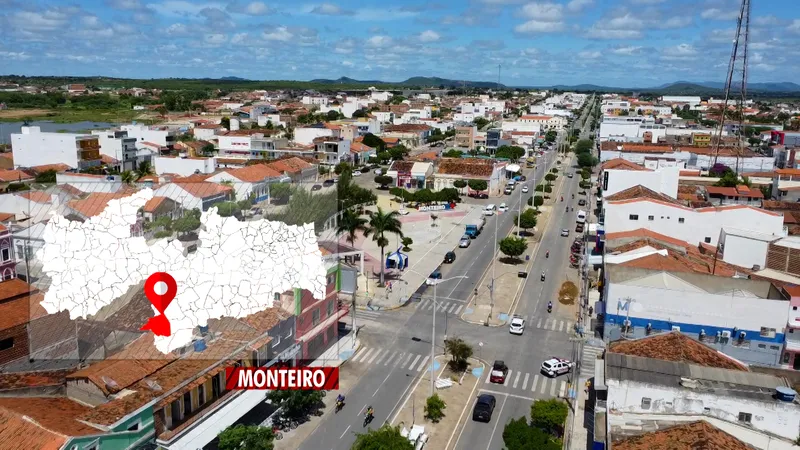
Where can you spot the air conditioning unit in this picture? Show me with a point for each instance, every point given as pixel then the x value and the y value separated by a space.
pixel 702 333
pixel 676 328
pixel 742 335
pixel 626 323
pixel 726 334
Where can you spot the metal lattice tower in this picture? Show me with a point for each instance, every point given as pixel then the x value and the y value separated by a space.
pixel 736 83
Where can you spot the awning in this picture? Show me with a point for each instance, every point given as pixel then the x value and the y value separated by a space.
pixel 513 168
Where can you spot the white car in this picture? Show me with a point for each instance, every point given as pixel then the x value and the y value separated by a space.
pixel 525 189
pixel 489 210
pixel 378 172
pixel 464 242
pixel 403 212
pixel 517 325
pixel 357 173
pixel 564 232
pixel 502 207
pixel 556 366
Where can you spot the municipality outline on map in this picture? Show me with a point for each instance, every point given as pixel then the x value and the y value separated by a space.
pixel 236 271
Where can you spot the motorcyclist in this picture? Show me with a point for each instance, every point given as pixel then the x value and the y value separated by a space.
pixel 549 306
pixel 562 198
pixel 547 254
pixel 370 412
pixel 340 399
pixel 543 274
pixel 573 195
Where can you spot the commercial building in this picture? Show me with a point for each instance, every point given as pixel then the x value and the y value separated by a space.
pixel 183 165
pixel 32 147
pixel 162 136
pixel 465 137
pixel 451 169
pixel 119 146
pixel 703 158
pixel 619 174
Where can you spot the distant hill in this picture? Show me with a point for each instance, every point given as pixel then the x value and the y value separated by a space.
pixel 413 82
pixel 234 79
pixel 706 88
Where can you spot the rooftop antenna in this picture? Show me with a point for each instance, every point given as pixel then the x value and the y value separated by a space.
pixel 737 68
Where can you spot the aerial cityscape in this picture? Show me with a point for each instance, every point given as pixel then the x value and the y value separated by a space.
pixel 223 225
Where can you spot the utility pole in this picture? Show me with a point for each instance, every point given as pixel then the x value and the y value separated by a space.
pixel 433 333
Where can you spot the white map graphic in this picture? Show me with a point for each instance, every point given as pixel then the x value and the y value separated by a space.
pixel 236 271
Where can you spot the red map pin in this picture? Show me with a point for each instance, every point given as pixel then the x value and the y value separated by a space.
pixel 159 324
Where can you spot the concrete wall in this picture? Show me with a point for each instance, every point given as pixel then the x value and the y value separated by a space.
pixel 664 180
pixel 183 166
pixel 745 252
pixel 34 148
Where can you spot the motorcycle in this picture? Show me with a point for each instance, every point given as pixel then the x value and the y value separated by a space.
pixel 549 307
pixel 367 419
pixel 542 276
pixel 547 254
pixel 339 405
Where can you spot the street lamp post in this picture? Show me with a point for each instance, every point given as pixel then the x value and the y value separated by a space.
pixel 433 323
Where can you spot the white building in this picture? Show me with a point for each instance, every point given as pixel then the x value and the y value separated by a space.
pixel 207 132
pixel 643 392
pixel 694 157
pixel 465 117
pixel 86 182
pixel 640 207
pixel 317 101
pixel 162 136
pixel 631 129
pixel 183 166
pixel 618 175
pixel 306 135
pixel 692 101
pixel 195 195
pixel 351 106
pixel 384 116
pixel 118 145
pixel 251 180
pixel 381 96
pixel 32 147
pixel 274 118
pixel 521 126
pixel 545 122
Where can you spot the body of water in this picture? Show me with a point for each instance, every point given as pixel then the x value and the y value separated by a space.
pixel 7 128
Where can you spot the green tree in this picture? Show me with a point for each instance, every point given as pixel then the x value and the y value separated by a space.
pixel 425 196
pixel 359 113
pixel 728 179
pixel 550 177
pixel 384 180
pixel 526 220
pixel 398 152
pixel 551 136
pixel 17 187
pixel 332 115
pixel 350 224
pixel 453 153
pixel 386 437
pixel 370 140
pixel 518 435
pixel 144 169
pixel 186 224
pixel 281 192
pixel 583 146
pixel 128 177
pixel 226 122
pixel 208 149
pixel 478 185
pixel 511 152
pixel 46 177
pixel 380 224
pixel 246 437
pixel 447 195
pixel 407 242
pixel 459 352
pixel 341 167
pixel 434 408
pixel 296 404
pixel 480 122
pixel 384 157
pixel 513 246
pixel 460 184
pixel 587 160
pixel 228 209
pixel 549 416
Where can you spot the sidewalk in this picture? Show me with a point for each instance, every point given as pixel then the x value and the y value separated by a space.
pixel 508 284
pixel 338 353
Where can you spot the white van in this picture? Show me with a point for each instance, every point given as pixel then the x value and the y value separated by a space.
pixel 511 183
pixel 489 210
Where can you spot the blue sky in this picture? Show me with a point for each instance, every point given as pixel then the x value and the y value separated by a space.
pixel 628 43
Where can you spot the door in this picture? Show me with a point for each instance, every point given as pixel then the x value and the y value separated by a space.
pixel 796 365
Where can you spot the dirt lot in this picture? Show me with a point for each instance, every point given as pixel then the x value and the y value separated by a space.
pixel 568 293
pixel 22 113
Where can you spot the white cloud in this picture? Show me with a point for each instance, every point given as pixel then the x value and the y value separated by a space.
pixel 379 41
pixel 647 2
pixel 576 6
pixel 795 26
pixel 239 38
pixel 281 34
pixel 48 20
pixel 536 26
pixel 629 50
pixel 215 39
pixel 544 12
pixel 382 15
pixel 589 55
pixel 17 56
pixel 178 29
pixel 250 8
pixel 766 21
pixel 502 2
pixel 429 36
pixel 596 32
pixel 126 4
pixel 680 50
pixel 329 9
pixel 181 8
pixel 719 14
pixel 348 63
pixel 91 22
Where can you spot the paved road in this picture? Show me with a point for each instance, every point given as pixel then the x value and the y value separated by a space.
pixel 397 344
pixel 524 354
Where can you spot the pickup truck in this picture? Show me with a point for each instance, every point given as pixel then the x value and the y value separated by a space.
pixel 474 229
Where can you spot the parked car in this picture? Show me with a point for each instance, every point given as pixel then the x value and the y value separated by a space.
pixel 556 366
pixel 327 183
pixel 508 190
pixel 316 187
pixel 357 173
pixel 565 232
pixel 570 175
pixel 502 207
pixel 464 242
pixel 499 372
pixel 433 277
pixel 489 210
pixel 581 202
pixel 517 325
pixel 484 407
pixel 449 257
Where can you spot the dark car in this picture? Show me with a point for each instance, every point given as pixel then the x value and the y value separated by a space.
pixel 327 183
pixel 449 257
pixel 484 407
pixel 316 187
pixel 499 372
pixel 581 202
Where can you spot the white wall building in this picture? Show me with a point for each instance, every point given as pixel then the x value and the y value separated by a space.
pixel 317 101
pixel 85 182
pixel 383 116
pixel 381 96
pixel 118 145
pixel 663 180
pixel 162 136
pixel 465 117
pixel 521 126
pixel 670 218
pixel 682 99
pixel 306 135
pixel 545 122
pixel 694 158
pixel 31 147
pixel 631 129
pixel 183 166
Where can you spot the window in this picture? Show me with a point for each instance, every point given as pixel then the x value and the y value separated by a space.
pixel 774 347
pixel 201 394
pixel 786 357
pixel 134 427
pixel 764 346
pixel 315 317
pixel 633 217
pixel 651 218
pixel 745 417
pixel 767 332
pixel 6 344
pixel 330 308
pixel 277 296
pixel 6 253
pixel 276 341
pixel 794 308
pixel 289 334
pixel 707 240
pixel 645 403
pixel 706 410
pixel 681 220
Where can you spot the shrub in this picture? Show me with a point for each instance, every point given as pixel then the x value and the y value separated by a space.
pixel 434 408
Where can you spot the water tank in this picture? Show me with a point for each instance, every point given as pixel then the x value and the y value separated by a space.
pixel 234 124
pixel 199 345
pixel 785 394
pixel 203 330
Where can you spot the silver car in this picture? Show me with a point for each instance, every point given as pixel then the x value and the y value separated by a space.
pixel 517 325
pixel 464 242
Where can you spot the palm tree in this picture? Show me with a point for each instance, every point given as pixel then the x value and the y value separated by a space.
pixel 350 224
pixel 381 223
pixel 128 177
pixel 144 169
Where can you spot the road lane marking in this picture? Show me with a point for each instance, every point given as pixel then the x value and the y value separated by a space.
pixel 508 377
pixel 562 390
pixel 553 388
pixel 544 385
pixel 411 367
pixel 516 380
pixel 535 382
pixel 364 355
pixel 488 376
pixel 487 391
pixel 381 358
pixel 345 432
pixel 458 311
pixel 390 359
pixel 539 325
pixel 408 358
pixel 452 307
pixel 374 356
pixel 422 364
pixel 496 422
pixel 555 323
pixel 359 353
pixel 430 305
pixel 525 382
pixel 382 383
pixel 561 327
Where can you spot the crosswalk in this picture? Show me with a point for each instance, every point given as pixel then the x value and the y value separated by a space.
pixel 453 307
pixel 535 384
pixel 365 317
pixel 391 358
pixel 549 323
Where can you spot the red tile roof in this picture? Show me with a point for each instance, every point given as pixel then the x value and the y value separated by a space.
pixel 18 432
pixel 59 168
pixel 153 204
pixel 643 233
pixel 94 203
pixel 37 196
pixel 677 347
pixel 467 167
pixel 18 303
pixel 640 192
pixel 253 174
pixel 738 191
pixel 699 435
pixel 11 176
pixel 623 164
pixel 204 189
pixel 57 414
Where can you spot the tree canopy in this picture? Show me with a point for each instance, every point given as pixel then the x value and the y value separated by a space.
pixel 583 146
pixel 513 246
pixel 511 152
pixel 296 403
pixel 246 437
pixel 370 140
pixel 526 220
pixel 518 435
pixel 386 437
pixel 478 185
pixel 549 415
